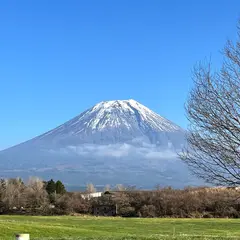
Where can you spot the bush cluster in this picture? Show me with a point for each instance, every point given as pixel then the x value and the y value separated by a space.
pixel 50 198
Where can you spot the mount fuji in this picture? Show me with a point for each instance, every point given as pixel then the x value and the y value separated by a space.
pixel 119 141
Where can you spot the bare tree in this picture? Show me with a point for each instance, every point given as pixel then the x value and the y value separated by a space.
pixel 213 111
pixel 107 188
pixel 12 194
pixel 90 188
pixel 120 187
pixel 35 193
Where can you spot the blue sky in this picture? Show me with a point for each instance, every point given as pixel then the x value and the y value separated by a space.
pixel 58 58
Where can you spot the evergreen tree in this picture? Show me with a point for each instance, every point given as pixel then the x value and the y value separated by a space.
pixel 51 187
pixel 60 188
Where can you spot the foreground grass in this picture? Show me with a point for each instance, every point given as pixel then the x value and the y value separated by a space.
pixel 93 228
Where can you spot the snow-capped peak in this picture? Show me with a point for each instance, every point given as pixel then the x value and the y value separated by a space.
pixel 111 122
pixel 130 107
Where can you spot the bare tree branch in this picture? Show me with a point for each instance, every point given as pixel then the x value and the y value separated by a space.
pixel 213 111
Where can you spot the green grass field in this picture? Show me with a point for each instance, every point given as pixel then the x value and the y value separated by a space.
pixel 66 227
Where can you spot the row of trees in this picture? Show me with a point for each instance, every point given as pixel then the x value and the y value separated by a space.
pixel 38 197
pixel 14 194
pixel 168 202
pixel 33 195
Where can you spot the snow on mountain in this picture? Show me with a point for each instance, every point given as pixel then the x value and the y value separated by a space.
pixel 115 122
pixel 118 141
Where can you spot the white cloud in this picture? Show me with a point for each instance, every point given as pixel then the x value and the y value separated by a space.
pixel 119 151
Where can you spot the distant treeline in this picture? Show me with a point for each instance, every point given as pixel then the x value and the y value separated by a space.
pixel 37 197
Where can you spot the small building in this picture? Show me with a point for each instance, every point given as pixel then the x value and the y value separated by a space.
pixel 91 195
pixel 105 210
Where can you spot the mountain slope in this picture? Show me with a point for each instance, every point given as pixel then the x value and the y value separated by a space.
pixel 118 141
pixel 114 122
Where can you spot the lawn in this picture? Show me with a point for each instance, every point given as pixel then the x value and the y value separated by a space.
pixel 70 227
